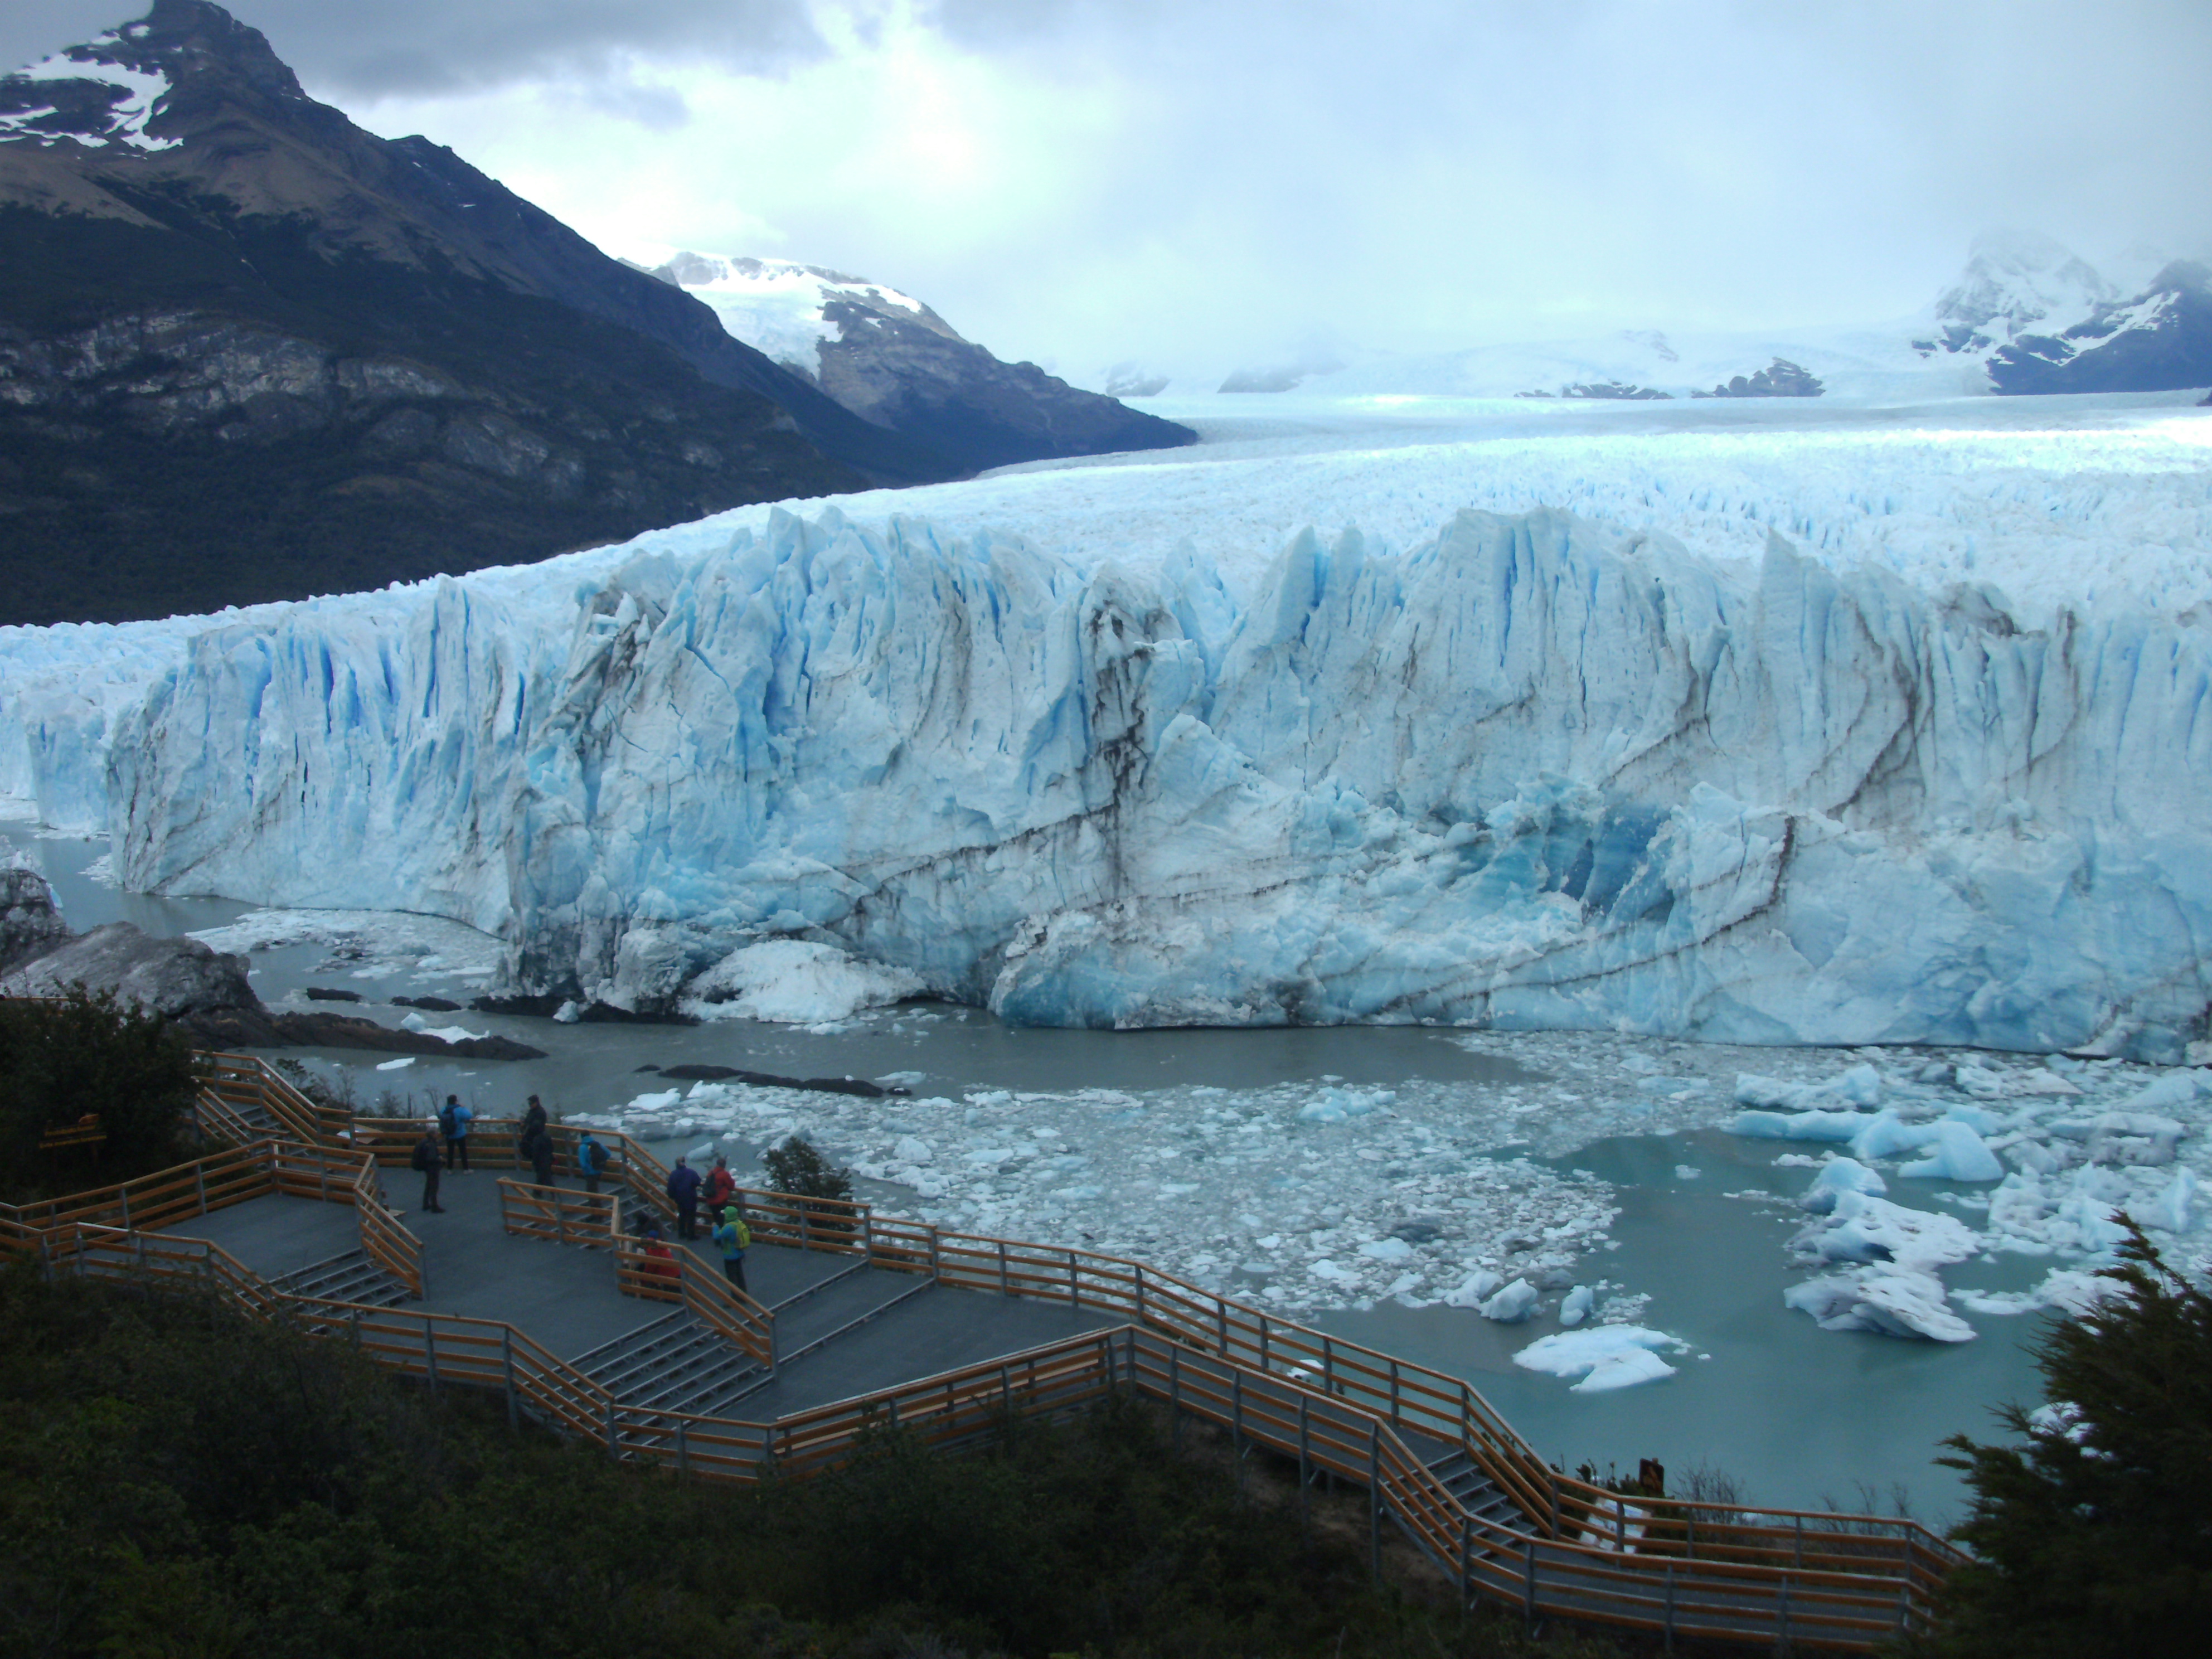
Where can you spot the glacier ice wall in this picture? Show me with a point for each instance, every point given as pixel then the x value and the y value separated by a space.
pixel 1530 774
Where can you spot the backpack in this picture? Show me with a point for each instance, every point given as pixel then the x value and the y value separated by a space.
pixel 446 1121
pixel 593 1156
pixel 425 1157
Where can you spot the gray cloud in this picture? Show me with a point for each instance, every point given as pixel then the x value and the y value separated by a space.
pixel 418 47
pixel 1234 176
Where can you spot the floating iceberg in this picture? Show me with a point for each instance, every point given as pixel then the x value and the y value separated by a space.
pixel 1604 1358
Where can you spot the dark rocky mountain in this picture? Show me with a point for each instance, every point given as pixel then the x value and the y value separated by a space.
pixel 1605 390
pixel 2159 340
pixel 1780 379
pixel 895 363
pixel 249 352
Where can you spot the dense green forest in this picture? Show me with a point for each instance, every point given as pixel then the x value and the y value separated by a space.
pixel 175 1479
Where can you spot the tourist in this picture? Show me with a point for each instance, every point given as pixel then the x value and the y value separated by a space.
pixel 533 1125
pixel 454 1120
pixel 684 1188
pixel 425 1160
pixel 590 1162
pixel 541 1156
pixel 721 1187
pixel 660 1259
pixel 733 1235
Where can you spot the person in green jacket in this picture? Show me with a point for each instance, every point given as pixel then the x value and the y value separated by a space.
pixel 733 1235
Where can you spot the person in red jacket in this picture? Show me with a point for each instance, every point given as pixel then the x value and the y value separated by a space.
pixel 721 1187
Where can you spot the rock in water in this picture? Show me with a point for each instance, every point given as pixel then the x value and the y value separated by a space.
pixel 172 977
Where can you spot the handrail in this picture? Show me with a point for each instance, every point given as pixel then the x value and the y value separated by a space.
pixel 556 1213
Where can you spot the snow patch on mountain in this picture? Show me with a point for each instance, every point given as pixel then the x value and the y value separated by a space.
pixel 783 309
pixel 121 99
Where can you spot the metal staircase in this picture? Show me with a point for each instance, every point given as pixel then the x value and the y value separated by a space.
pixel 677 1362
pixel 350 1276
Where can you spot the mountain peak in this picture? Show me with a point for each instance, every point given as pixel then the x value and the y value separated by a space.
pixel 2016 282
pixel 134 88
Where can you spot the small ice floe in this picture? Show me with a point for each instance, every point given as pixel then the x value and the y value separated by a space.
pixel 1859 1087
pixel 1513 1304
pixel 400 1064
pixel 2066 1290
pixel 796 982
pixel 1386 1250
pixel 1334 1105
pixel 1604 1358
pixel 1577 1305
pixel 1895 1288
pixel 568 1013
pixel 1840 1175
pixel 1799 1126
pixel 1958 1154
pixel 1477 1288
pixel 443 1033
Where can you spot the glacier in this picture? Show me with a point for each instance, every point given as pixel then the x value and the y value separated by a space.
pixel 1532 772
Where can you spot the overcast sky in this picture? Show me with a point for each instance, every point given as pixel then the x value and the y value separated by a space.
pixel 1079 181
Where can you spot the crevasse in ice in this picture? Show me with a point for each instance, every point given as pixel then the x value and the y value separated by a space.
pixel 1529 774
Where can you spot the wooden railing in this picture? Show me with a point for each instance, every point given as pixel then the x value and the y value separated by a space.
pixel 230 1176
pixel 714 1301
pixel 557 1214
pixel 383 1239
pixel 232 1081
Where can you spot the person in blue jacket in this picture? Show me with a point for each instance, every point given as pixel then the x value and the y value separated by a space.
pixel 684 1188
pixel 591 1161
pixel 731 1237
pixel 454 1119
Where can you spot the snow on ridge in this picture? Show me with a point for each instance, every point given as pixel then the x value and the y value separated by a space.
pixel 128 116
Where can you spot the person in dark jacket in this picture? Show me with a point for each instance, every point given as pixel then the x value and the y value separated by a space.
pixel 541 1156
pixel 533 1125
pixel 427 1160
pixel 684 1188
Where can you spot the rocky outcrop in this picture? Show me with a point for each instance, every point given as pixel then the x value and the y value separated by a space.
pixel 1607 390
pixel 30 926
pixel 204 990
pixel 1780 378
pixel 172 977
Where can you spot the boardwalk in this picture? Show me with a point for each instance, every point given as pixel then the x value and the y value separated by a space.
pixel 844 1328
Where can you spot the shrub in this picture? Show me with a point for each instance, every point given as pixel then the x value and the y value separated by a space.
pixel 2095 1536
pixel 796 1168
pixel 84 1055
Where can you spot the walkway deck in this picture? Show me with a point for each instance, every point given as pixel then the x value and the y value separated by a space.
pixel 877 1328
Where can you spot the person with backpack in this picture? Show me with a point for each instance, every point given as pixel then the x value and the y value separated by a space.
pixel 660 1259
pixel 732 1237
pixel 721 1188
pixel 683 1188
pixel 426 1159
pixel 453 1119
pixel 541 1156
pixel 533 1125
pixel 590 1162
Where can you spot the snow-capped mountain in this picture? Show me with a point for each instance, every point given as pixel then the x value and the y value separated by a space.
pixel 2158 340
pixel 892 361
pixel 2025 314
pixel 249 351
pixel 2016 283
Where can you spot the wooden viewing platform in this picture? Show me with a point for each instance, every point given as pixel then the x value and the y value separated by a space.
pixel 853 1320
